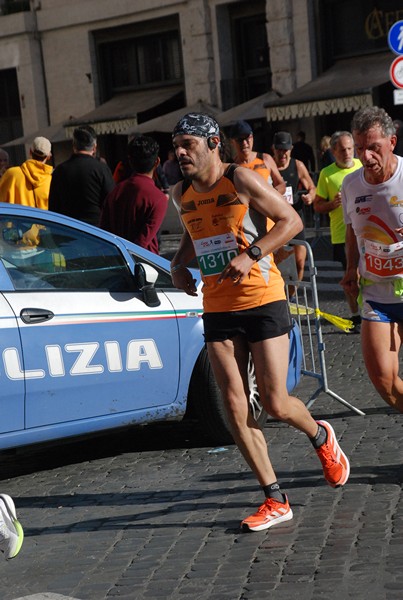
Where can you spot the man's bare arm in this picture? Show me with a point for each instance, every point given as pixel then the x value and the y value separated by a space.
pixel 269 202
pixel 306 182
pixel 277 178
pixel 351 277
pixel 181 276
pixel 323 206
pixel 254 191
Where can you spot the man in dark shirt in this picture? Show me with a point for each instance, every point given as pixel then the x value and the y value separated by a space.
pixel 81 183
pixel 136 207
pixel 303 152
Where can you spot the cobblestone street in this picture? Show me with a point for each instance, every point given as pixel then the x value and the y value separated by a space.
pixel 154 512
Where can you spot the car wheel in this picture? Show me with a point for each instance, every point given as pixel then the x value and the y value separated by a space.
pixel 206 405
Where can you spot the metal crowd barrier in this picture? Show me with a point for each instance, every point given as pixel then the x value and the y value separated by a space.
pixel 305 309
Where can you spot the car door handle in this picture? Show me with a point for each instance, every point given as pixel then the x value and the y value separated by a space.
pixel 35 315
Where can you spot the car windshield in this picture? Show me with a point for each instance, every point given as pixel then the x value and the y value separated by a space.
pixel 43 255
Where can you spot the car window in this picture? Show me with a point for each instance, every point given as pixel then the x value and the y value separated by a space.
pixel 42 255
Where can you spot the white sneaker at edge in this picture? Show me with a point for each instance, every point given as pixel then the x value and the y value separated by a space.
pixel 11 532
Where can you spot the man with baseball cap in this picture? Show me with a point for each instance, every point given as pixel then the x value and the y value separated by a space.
pixel 300 189
pixel 29 183
pixel 241 136
pixel 224 209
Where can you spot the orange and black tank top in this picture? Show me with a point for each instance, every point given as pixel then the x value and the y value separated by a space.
pixel 259 166
pixel 221 227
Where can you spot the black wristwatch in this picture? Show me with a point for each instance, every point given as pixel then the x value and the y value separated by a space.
pixel 254 252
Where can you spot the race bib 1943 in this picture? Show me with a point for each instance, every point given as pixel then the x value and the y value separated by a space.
pixel 215 252
pixel 384 260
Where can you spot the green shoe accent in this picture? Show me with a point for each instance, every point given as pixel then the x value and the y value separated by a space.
pixel 20 533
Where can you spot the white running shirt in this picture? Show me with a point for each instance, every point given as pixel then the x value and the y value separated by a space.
pixel 375 212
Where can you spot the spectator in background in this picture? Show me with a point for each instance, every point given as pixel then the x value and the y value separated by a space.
pixel 399 135
pixel 123 170
pixel 136 207
pixel 4 161
pixel 303 152
pixel 171 168
pixel 161 180
pixel 241 136
pixel 326 156
pixel 81 183
pixel 328 201
pixel 29 183
pixel 299 191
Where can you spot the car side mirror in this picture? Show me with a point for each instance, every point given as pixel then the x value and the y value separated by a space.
pixel 145 277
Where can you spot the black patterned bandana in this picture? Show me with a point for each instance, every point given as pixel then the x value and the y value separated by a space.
pixel 197 124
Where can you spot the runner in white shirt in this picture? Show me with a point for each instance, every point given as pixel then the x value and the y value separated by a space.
pixel 373 212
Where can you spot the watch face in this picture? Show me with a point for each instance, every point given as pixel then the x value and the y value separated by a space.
pixel 255 252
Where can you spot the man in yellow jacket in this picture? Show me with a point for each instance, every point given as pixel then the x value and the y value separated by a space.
pixel 29 183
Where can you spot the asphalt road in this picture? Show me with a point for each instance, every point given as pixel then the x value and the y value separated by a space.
pixel 154 512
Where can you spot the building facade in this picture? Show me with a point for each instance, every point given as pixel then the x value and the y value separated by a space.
pixel 117 64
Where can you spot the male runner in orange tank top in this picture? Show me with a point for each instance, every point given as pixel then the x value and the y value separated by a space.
pixel 241 136
pixel 245 310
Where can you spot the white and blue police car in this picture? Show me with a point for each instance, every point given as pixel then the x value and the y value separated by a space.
pixel 94 336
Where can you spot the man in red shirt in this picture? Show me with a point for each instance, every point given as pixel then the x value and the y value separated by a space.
pixel 136 208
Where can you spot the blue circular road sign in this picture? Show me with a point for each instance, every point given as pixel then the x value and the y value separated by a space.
pixel 395 37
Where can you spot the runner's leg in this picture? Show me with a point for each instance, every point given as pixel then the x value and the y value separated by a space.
pixel 271 366
pixel 300 258
pixel 381 343
pixel 229 361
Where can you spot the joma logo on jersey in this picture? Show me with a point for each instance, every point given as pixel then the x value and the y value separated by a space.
pixel 87 360
pixel 206 201
pixel 362 199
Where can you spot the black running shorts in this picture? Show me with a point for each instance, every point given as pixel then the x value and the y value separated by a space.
pixel 257 324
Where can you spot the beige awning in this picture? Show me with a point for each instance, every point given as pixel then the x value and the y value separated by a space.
pixel 166 123
pixel 249 110
pixel 121 112
pixel 54 133
pixel 345 87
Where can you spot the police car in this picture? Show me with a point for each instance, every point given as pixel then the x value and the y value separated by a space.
pixel 95 337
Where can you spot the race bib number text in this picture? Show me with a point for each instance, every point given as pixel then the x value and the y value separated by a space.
pixel 289 196
pixel 384 260
pixel 215 252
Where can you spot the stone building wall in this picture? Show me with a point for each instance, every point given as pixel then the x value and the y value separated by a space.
pixel 61 33
pixel 290 44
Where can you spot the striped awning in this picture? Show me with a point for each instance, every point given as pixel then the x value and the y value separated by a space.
pixel 121 112
pixel 346 87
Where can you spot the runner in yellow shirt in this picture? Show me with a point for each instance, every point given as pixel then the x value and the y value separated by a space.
pixel 328 201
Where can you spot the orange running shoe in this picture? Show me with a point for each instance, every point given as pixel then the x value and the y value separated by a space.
pixel 272 512
pixel 336 467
